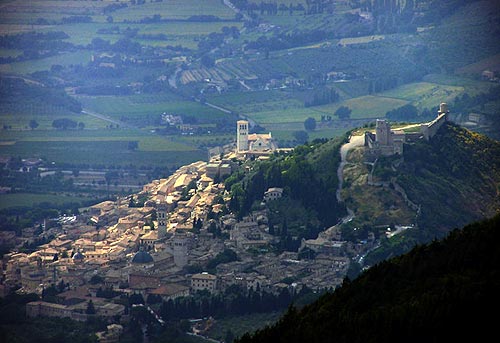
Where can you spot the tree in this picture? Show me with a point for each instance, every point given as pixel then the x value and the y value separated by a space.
pixel 90 308
pixel 343 112
pixel 229 336
pixel 133 145
pixel 64 123
pixel 301 136
pixel 81 125
pixel 310 124
pixel 33 124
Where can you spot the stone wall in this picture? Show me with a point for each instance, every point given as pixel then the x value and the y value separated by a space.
pixel 429 129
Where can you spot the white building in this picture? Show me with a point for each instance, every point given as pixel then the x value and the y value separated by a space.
pixel 253 143
pixel 273 194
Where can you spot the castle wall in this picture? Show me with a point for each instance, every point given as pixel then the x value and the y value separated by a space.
pixel 430 129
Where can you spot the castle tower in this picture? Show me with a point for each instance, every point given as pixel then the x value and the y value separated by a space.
pixel 241 135
pixel 180 249
pixel 161 217
pixel 443 109
pixel 382 131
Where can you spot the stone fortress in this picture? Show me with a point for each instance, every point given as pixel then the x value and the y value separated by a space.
pixel 387 142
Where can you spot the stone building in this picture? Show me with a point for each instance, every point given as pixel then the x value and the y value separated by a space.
pixel 387 142
pixel 253 144
pixel 204 281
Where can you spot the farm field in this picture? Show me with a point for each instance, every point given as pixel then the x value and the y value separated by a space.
pixel 20 120
pixel 138 106
pixel 368 106
pixel 257 101
pixel 424 94
pixel 175 9
pixel 64 59
pixel 98 147
pixel 30 199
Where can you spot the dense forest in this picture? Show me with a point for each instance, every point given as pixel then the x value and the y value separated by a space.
pixel 443 291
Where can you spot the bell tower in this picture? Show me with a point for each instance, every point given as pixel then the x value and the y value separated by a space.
pixel 241 135
pixel 161 217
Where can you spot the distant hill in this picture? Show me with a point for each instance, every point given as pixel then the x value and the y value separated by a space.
pixel 446 291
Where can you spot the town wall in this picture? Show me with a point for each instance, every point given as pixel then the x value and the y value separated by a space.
pixel 430 129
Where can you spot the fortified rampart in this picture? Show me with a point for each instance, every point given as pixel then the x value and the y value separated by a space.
pixel 387 142
pixel 430 129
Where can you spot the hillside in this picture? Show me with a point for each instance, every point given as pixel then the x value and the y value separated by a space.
pixel 308 176
pixel 455 178
pixel 435 186
pixel 444 291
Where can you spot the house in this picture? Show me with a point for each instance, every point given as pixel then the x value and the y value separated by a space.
pixel 204 281
pixel 171 291
pixel 273 194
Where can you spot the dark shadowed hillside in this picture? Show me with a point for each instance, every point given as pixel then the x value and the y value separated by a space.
pixel 444 291
pixel 455 177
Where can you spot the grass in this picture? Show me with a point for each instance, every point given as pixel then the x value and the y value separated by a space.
pixel 98 147
pixel 103 153
pixel 20 121
pixel 257 101
pixel 425 94
pixel 137 106
pixel 367 106
pixel 28 67
pixel 175 9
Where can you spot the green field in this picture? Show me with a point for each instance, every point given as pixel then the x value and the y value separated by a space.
pixel 138 106
pixel 29 199
pixel 20 121
pixel 367 106
pixel 98 147
pixel 64 59
pixel 257 101
pixel 424 94
pixel 175 9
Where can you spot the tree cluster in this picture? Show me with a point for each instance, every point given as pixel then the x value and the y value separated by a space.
pixel 443 291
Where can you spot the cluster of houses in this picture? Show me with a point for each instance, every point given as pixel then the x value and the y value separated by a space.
pixel 150 250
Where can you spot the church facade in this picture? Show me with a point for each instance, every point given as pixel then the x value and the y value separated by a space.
pixel 253 144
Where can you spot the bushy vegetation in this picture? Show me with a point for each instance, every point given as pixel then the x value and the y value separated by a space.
pixel 438 292
pixel 454 177
pixel 308 176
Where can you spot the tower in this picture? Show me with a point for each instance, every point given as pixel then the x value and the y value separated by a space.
pixel 180 249
pixel 241 135
pixel 161 217
pixel 443 109
pixel 382 131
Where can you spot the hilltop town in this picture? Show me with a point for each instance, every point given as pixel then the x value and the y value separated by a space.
pixel 177 237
